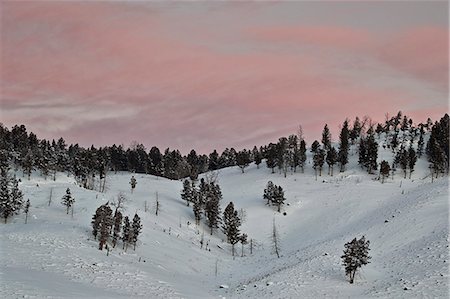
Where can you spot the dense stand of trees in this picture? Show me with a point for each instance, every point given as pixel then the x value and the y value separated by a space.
pixel 22 150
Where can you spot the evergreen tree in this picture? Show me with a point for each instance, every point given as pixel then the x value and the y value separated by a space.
pixel 186 193
pixel 117 227
pixel 326 138
pixel 133 183
pixel 28 163
pixel 278 197
pixel 136 229
pixel 213 161
pixel 257 157
pixel 106 221
pixel 68 200
pixel 126 232
pixel 315 146
pixel 331 159
pixel 243 159
pixel 230 227
pixel 343 146
pixel 302 154
pixel 318 160
pixel 372 151
pixel 356 254
pixel 362 152
pixel 402 158
pixel 384 170
pixel 269 192
pixel 96 219
pixel 212 206
pixel 271 156
pixel 11 198
pixel 356 130
pixel 412 159
pixel 420 144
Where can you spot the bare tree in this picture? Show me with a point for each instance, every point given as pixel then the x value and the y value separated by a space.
pixel 119 202
pixel 275 240
pixel 50 196
pixel 157 204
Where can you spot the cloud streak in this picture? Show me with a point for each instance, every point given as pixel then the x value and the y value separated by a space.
pixel 208 76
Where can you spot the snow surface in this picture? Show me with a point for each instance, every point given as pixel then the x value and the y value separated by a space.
pixel 406 221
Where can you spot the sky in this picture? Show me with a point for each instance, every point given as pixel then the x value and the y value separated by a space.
pixel 211 75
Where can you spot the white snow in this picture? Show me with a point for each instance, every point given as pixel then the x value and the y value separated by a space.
pixel 55 256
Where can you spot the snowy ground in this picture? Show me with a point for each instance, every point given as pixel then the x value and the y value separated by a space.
pixel 55 256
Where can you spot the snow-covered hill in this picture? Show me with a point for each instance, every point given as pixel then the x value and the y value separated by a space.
pixel 406 221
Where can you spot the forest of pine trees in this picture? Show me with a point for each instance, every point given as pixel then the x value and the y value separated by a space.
pixel 23 150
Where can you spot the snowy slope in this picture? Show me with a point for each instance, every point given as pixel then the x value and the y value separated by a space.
pixel 55 256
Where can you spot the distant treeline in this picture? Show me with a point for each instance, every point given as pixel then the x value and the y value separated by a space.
pixel 24 150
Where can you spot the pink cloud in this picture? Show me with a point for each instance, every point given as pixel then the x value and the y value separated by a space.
pixel 421 51
pixel 108 73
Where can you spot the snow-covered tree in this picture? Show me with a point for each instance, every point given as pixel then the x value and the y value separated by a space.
pixel 384 170
pixel 117 227
pixel 356 255
pixel 133 183
pixel 11 198
pixel 186 193
pixel 231 224
pixel 126 232
pixel 68 200
pixel 105 225
pixel 243 159
pixel 136 228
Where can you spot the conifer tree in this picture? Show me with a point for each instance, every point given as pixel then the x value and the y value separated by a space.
pixel 331 159
pixel 212 206
pixel 343 146
pixel 243 159
pixel 326 138
pixel 28 163
pixel 96 219
pixel 372 151
pixel 106 221
pixel 126 232
pixel 412 159
pixel 244 240
pixel 133 183
pixel 302 154
pixel 68 200
pixel 278 197
pixel 257 157
pixel 269 192
pixel 318 160
pixel 186 193
pixel 384 170
pixel 271 157
pixel 136 228
pixel 117 227
pixel 8 206
pixel 230 227
pixel 356 254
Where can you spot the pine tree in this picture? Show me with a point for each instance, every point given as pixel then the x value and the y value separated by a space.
pixel 412 159
pixel 68 200
pixel 28 163
pixel 105 226
pixel 136 229
pixel 318 160
pixel 420 144
pixel 356 130
pixel 278 197
pixel 6 208
pixel 186 193
pixel 343 146
pixel 356 254
pixel 96 219
pixel 212 206
pixel 384 170
pixel 302 154
pixel 126 232
pixel 372 151
pixel 16 196
pixel 133 183
pixel 269 192
pixel 271 157
pixel 117 227
pixel 26 209
pixel 331 159
pixel 243 159
pixel 257 157
pixel 230 227
pixel 326 138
